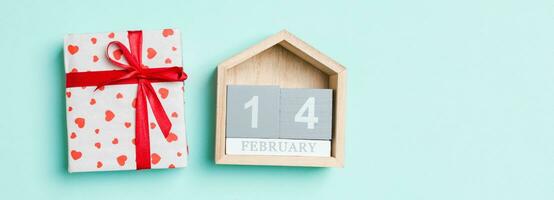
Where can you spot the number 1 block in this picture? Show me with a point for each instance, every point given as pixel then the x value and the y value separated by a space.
pixel 306 114
pixel 252 111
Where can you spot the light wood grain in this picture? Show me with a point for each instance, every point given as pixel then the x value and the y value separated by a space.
pixel 287 61
pixel 337 82
pixel 221 113
pixel 280 161
pixel 277 66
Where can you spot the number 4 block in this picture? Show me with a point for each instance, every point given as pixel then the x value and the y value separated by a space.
pixel 306 114
pixel 252 111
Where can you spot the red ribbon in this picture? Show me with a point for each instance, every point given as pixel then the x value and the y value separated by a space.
pixel 134 73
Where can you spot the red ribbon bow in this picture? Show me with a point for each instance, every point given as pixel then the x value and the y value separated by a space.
pixel 134 73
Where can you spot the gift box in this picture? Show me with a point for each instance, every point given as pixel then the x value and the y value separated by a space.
pixel 125 101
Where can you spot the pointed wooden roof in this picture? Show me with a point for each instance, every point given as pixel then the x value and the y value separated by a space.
pixel 294 45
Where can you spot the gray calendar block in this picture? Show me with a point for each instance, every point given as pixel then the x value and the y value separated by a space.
pixel 306 113
pixel 253 111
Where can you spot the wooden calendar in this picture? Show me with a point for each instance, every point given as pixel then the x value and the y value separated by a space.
pixel 280 102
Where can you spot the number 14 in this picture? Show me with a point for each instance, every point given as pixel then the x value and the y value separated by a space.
pixel 308 106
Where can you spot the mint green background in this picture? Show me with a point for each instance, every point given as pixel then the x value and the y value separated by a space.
pixel 446 100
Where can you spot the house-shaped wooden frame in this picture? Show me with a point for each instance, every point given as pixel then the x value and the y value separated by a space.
pixel 287 61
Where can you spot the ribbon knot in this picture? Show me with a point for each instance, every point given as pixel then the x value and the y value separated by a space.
pixel 135 72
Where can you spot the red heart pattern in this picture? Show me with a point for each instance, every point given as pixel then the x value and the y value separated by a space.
pixel 72 49
pixel 109 115
pixel 163 92
pixel 121 160
pixel 76 155
pixel 167 32
pixel 96 142
pixel 80 122
pixel 155 158
pixel 150 53
pixel 171 137
pixel 117 54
